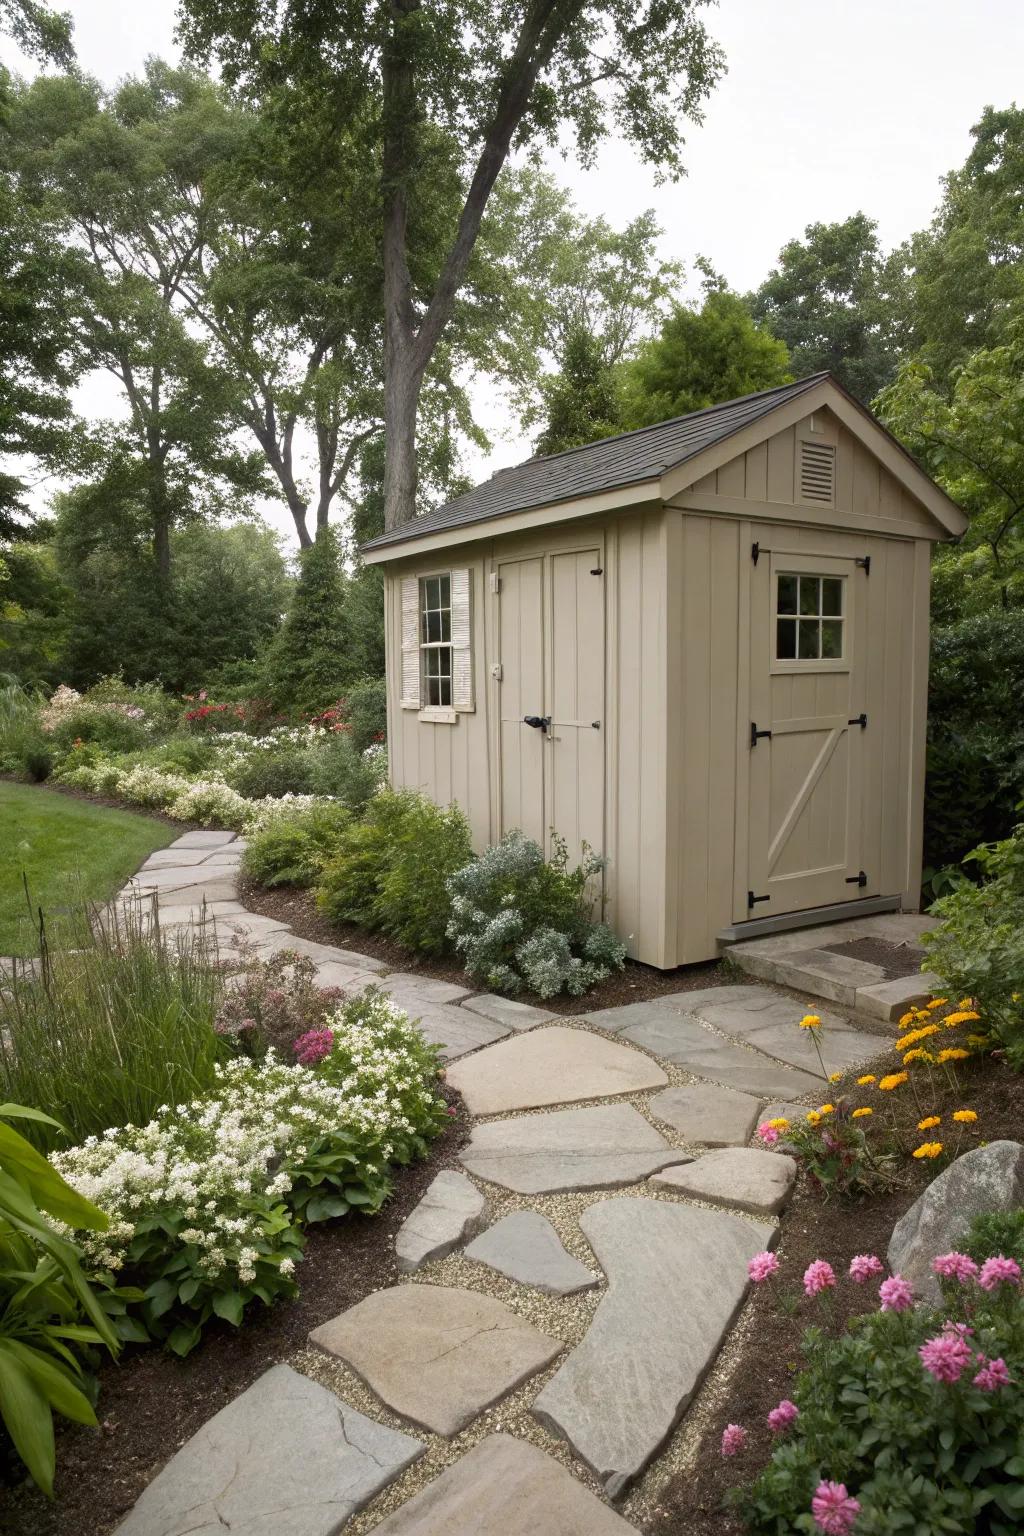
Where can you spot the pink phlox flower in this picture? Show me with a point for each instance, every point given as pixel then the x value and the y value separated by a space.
pixel 783 1416
pixel 865 1266
pixel 761 1266
pixel 818 1277
pixel 945 1357
pixel 768 1134
pixel 958 1328
pixel 833 1509
pixel 895 1294
pixel 954 1266
pixel 734 1438
pixel 999 1271
pixel 993 1375
pixel 313 1046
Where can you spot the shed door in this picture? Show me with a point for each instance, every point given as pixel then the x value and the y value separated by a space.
pixel 807 688
pixel 551 650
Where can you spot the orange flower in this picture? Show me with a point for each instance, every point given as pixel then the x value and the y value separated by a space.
pixel 954 1053
pixel 892 1081
pixel 862 1111
pixel 928 1149
pixel 927 1123
pixel 869 1077
pixel 965 1116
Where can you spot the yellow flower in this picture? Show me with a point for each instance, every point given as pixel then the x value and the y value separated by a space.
pixel 813 1118
pixel 826 1109
pixel 938 1002
pixel 862 1111
pixel 915 1035
pixel 907 1018
pixel 954 1053
pixel 961 1016
pixel 810 1021
pixel 966 1002
pixel 834 1077
pixel 965 1116
pixel 869 1077
pixel 892 1081
pixel 780 1123
pixel 915 1055
pixel 928 1122
pixel 928 1149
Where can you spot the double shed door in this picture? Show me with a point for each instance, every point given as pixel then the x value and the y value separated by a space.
pixel 812 746
pixel 551 668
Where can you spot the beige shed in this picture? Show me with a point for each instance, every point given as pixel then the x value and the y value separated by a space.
pixel 701 648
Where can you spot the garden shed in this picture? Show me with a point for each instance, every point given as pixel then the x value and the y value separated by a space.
pixel 701 648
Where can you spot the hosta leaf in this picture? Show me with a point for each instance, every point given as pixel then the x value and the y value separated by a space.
pixel 27 1418
pixel 229 1306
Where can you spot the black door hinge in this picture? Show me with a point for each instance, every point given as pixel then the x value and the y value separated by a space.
pixel 755 550
pixel 753 900
pixel 755 734
pixel 598 570
pixel 860 879
pixel 865 561
pixel 861 720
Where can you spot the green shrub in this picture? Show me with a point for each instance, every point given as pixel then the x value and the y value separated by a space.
pixel 107 1033
pixel 25 751
pixel 366 709
pixel 277 771
pixel 996 1232
pixel 978 948
pixel 294 850
pixel 181 754
pixel 520 920
pixel 392 868
pixel 109 730
pixel 345 774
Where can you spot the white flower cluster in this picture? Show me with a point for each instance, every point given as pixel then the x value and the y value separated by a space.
pixel 67 701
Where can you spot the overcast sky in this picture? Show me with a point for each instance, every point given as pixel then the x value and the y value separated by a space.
pixel 827 108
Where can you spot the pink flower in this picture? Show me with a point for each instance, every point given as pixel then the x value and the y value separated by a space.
pixel 864 1266
pixel 993 1374
pixel 895 1294
pixel 946 1357
pixel 999 1271
pixel 959 1328
pixel 768 1134
pixel 783 1416
pixel 833 1509
pixel 761 1266
pixel 734 1438
pixel 954 1266
pixel 818 1277
pixel 313 1046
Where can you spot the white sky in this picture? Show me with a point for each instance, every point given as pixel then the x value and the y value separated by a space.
pixel 827 108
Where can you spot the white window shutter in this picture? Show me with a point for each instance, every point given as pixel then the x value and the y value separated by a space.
pixel 462 641
pixel 410 642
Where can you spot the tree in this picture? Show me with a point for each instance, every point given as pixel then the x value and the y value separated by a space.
pixel 39 31
pixel 582 400
pixel 309 663
pixel 834 300
pixel 410 78
pixel 703 356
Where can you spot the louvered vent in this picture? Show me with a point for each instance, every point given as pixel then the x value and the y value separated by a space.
pixel 818 473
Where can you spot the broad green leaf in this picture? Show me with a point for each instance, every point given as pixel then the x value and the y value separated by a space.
pixel 57 1385
pixel 27 1418
pixel 229 1306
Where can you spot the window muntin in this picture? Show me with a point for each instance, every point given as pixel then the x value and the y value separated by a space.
pixel 436 640
pixel 810 617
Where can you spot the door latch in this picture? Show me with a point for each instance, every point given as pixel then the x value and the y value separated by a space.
pixel 753 900
pixel 860 879
pixel 861 720
pixel 755 734
pixel 539 722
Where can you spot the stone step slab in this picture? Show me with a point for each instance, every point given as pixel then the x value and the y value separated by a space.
pixel 208 839
pixel 770 1023
pixel 452 1210
pixel 220 888
pixel 453 1029
pixel 330 952
pixel 423 990
pixel 602 1147
pixel 175 858
pixel 350 978
pixel 817 971
pixel 505 1010
pixel 504 1487
pixel 889 1000
pixel 525 1247
pixel 743 1178
pixel 551 1066
pixel 437 1355
pixel 677 1275
pixel 172 877
pixel 707 1114
pixel 286 1458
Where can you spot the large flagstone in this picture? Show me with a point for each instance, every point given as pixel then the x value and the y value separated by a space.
pixel 602 1147
pixel 551 1066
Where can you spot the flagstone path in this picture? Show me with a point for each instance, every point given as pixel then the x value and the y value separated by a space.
pixel 563 1295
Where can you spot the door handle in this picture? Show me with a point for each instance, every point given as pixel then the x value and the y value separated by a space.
pixel 755 734
pixel 538 722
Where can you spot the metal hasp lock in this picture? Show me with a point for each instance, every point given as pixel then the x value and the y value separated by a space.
pixel 539 722
pixel 755 734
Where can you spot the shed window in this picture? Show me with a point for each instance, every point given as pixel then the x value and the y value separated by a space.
pixel 810 617
pixel 436 641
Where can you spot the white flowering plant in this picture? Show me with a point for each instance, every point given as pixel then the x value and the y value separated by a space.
pixel 208 1201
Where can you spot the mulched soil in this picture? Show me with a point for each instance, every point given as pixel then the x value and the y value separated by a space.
pixel 895 959
pixel 692 1504
pixel 635 983
pixel 151 1403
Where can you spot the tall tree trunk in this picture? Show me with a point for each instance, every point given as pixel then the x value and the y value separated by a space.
pixel 401 404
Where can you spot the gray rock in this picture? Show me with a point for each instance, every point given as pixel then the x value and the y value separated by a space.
pixel 676 1277
pixel 453 1029
pixel 551 1066
pixel 707 1114
pixel 525 1247
pixel 602 1147
pixel 504 1487
pixel 423 990
pixel 741 1177
pixel 451 1210
pixel 286 1458
pixel 889 999
pixel 436 1354
pixel 505 1010
pixel 989 1178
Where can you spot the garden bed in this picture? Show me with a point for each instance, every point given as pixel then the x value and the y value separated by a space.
pixel 761 1369
pixel 152 1402
pixel 635 983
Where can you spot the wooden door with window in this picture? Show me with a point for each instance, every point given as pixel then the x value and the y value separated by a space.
pixel 551 697
pixel 806 739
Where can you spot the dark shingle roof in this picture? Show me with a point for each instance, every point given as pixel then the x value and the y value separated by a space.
pixel 609 463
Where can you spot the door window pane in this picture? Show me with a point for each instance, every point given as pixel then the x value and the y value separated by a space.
pixel 832 639
pixel 787 594
pixel 810 622
pixel 785 639
pixel 832 596
pixel 810 594
pixel 435 641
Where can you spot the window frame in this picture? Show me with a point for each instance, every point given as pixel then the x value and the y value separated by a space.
pixel 436 650
pixel 821 570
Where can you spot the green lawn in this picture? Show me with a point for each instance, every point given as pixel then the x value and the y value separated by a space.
pixel 69 851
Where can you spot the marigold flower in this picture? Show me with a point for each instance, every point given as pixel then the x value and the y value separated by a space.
pixel 810 1021
pixel 783 1416
pixel 864 1267
pixel 999 1271
pixel 734 1438
pixel 819 1276
pixel 833 1509
pixel 993 1374
pixel 954 1266
pixel 953 1053
pixel 893 1080
pixel 869 1077
pixel 965 1116
pixel 946 1357
pixel 928 1149
pixel 916 1035
pixel 859 1113
pixel 780 1123
pixel 895 1294
pixel 834 1077
pixel 826 1109
pixel 762 1266
pixel 917 1054
pixel 938 1002
pixel 907 1018
pixel 961 1016
pixel 927 1123
pixel 813 1117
